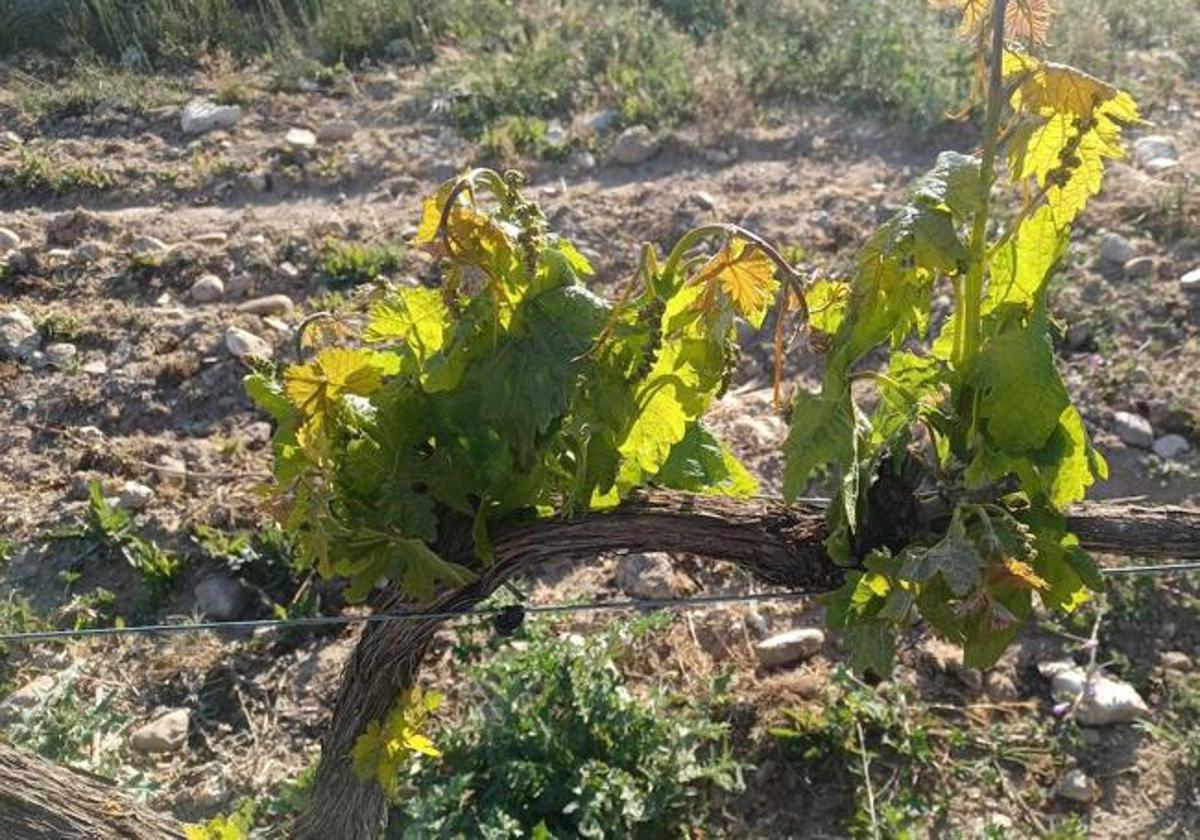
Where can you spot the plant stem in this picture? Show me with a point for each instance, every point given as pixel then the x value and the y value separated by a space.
pixel 970 302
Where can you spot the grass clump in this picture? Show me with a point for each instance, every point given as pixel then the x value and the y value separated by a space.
pixel 37 171
pixel 351 263
pixel 115 528
pixel 558 746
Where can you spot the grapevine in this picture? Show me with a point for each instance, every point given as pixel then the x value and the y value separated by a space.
pixel 513 391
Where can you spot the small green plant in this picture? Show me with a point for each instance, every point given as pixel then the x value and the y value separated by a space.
pixel 116 528
pixel 37 171
pixel 60 327
pixel 351 263
pixel 559 747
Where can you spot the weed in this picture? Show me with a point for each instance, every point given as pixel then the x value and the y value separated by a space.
pixel 40 172
pixel 351 263
pixel 560 747
pixel 58 327
pixel 85 89
pixel 113 527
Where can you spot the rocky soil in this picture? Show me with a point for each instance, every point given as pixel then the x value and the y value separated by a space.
pixel 127 311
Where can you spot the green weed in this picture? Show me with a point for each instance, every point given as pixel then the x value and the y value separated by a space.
pixel 41 172
pixel 351 263
pixel 115 528
pixel 558 746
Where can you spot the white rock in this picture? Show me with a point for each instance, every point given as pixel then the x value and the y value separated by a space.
pixel 97 367
pixel 1191 281
pixel 267 305
pixel 220 597
pixel 1077 787
pixel 1153 147
pixel 1115 249
pixel 336 131
pixel 171 472
pixel 300 137
pixel 634 145
pixel 211 237
pixel 1106 700
pixel 704 200
pixel 135 496
pixel 1159 165
pixel 556 135
pixel 19 336
pixel 647 575
pixel 9 241
pixel 1133 429
pixel 166 733
pixel 241 344
pixel 207 288
pixel 1139 267
pixel 600 121
pixel 26 697
pixel 1175 660
pixel 1170 447
pixel 60 354
pixel 792 646
pixel 582 160
pixel 201 116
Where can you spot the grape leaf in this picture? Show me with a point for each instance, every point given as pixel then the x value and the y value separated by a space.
pixel 1022 396
pixel 822 431
pixel 740 275
pixel 701 463
pixel 386 747
pixel 1022 268
pixel 955 557
pixel 418 317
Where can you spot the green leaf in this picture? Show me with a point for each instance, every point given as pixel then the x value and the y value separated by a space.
pixel 953 182
pixel 955 557
pixel 1022 396
pixel 416 316
pixel 1022 268
pixel 701 463
pixel 872 647
pixel 268 395
pixel 822 432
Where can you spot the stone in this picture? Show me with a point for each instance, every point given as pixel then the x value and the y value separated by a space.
pixel 634 145
pixel 207 289
pixel 1190 282
pixel 581 160
pixel 337 131
pixel 267 305
pixel 135 496
pixel 96 367
pixel 556 135
pixel 1133 429
pixel 1154 147
pixel 1170 447
pixel 241 343
pixel 60 354
pixel 787 648
pixel 647 575
pixel 1115 249
pixel 9 241
pixel 1175 660
pixel 201 116
pixel 19 336
pixel 704 200
pixel 1159 165
pixel 1140 267
pixel 71 227
pixel 171 472
pixel 212 237
pixel 948 658
pixel 28 696
pixel 1076 786
pixel 601 121
pixel 300 137
pixel 220 597
pixel 1102 701
pixel 166 733
pixel 86 253
pixel 720 157
pixel 147 245
pixel 258 434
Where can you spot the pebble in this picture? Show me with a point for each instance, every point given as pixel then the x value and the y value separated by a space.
pixel 88 252
pixel 1175 660
pixel 792 646
pixel 166 733
pixel 288 271
pixel 134 496
pixel 9 241
pixel 336 131
pixel 26 697
pixel 582 160
pixel 1133 429
pixel 300 137
pixel 147 245
pixel 704 200
pixel 207 289
pixel 258 434
pixel 19 336
pixel 1106 701
pixel 1140 267
pixel 241 344
pixel 96 367
pixel 1191 281
pixel 601 121
pixel 647 575
pixel 267 305
pixel 171 472
pixel 1154 147
pixel 220 597
pixel 201 116
pixel 1115 249
pixel 1170 447
pixel 60 354
pixel 1076 786
pixel 634 145
pixel 212 237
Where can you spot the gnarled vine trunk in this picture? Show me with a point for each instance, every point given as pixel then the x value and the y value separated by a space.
pixel 778 544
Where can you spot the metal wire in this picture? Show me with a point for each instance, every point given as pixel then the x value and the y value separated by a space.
pixel 449 615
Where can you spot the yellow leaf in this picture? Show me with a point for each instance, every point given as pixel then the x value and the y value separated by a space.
pixel 974 14
pixel 383 749
pixel 418 317
pixel 741 274
pixel 1027 20
pixel 1024 574
pixel 827 301
pixel 315 387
